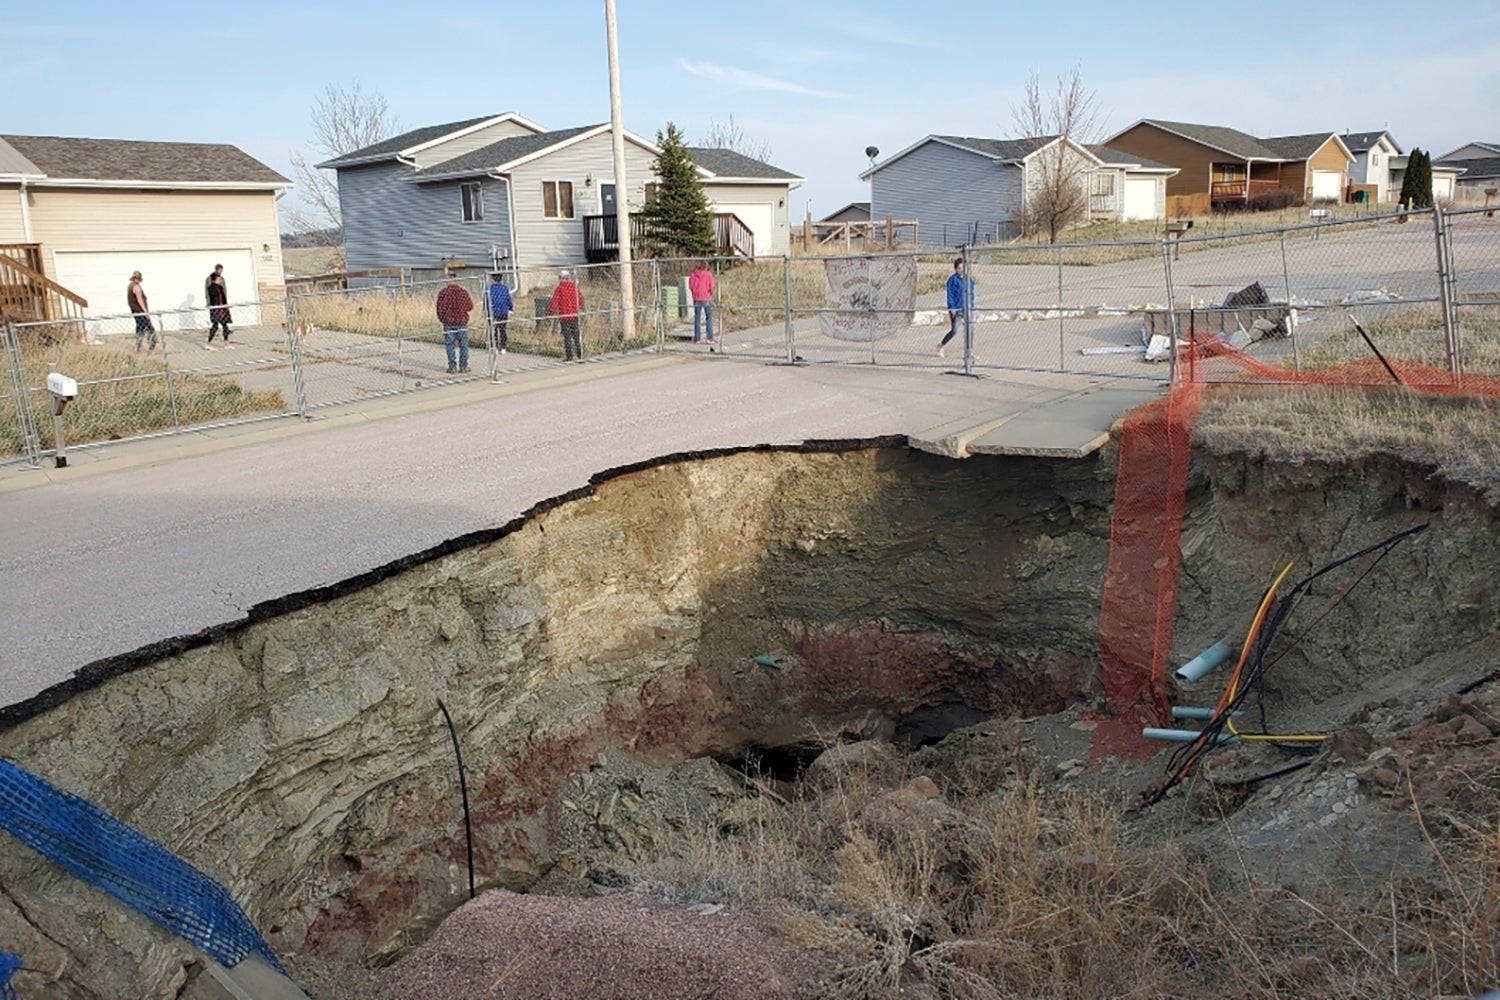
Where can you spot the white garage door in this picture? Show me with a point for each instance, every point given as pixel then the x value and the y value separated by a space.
pixel 1140 198
pixel 173 279
pixel 1442 188
pixel 1327 184
pixel 760 220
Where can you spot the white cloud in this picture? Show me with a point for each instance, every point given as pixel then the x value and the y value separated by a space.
pixel 745 79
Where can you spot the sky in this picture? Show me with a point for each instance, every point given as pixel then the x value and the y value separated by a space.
pixel 818 81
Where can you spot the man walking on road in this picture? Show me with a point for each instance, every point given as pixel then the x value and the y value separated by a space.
pixel 956 287
pixel 453 308
pixel 500 307
pixel 566 305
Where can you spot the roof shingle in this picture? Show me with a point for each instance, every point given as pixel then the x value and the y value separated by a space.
pixel 395 144
pixel 504 151
pixel 1296 147
pixel 132 160
pixel 1230 140
pixel 728 163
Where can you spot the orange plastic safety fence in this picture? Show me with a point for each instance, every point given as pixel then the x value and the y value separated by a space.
pixel 1139 605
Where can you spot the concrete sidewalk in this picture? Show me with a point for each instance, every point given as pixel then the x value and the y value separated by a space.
pixel 141 541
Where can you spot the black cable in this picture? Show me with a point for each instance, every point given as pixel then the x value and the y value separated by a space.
pixel 1189 755
pixel 1280 772
pixel 463 788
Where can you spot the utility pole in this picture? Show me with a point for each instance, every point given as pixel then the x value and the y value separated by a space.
pixel 622 202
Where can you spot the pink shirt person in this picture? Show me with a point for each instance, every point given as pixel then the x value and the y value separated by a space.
pixel 701 286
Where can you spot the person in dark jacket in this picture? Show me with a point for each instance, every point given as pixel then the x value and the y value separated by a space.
pixel 218 309
pixel 957 283
pixel 500 307
pixel 453 308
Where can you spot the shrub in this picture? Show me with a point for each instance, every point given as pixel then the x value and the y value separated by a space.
pixel 1272 201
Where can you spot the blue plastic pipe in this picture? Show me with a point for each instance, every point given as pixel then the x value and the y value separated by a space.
pixel 1180 735
pixel 1192 712
pixel 1199 666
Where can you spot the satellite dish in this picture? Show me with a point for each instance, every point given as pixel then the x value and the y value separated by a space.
pixel 871 152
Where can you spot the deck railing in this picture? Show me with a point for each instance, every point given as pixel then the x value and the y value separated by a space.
pixel 28 296
pixel 601 236
pixel 1241 189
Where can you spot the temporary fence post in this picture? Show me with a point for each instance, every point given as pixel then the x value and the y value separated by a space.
pixel 31 441
pixel 661 327
pixel 1445 293
pixel 396 295
pixel 1061 323
pixel 166 362
pixel 294 348
pixel 968 294
pixel 489 328
pixel 1166 256
pixel 1291 324
pixel 791 336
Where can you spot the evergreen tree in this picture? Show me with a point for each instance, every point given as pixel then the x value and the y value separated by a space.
pixel 677 219
pixel 1416 185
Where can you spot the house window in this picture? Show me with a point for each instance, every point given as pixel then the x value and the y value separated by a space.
pixel 557 199
pixel 1103 185
pixel 650 192
pixel 473 202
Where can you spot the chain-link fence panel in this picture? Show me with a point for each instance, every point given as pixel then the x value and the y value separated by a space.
pixel 1474 264
pixel 1301 296
pixel 157 372
pixel 726 305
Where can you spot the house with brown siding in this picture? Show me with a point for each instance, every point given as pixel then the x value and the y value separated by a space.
pixel 1231 166
pixel 78 215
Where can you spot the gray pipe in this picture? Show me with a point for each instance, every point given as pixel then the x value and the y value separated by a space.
pixel 1180 735
pixel 1191 712
pixel 1201 665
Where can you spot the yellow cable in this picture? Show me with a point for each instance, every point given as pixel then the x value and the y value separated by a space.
pixel 1232 690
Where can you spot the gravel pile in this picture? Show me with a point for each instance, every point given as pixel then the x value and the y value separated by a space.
pixel 615 947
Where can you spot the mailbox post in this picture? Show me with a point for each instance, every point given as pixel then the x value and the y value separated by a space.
pixel 1175 230
pixel 63 391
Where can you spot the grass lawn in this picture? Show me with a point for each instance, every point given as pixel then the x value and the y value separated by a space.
pixel 131 396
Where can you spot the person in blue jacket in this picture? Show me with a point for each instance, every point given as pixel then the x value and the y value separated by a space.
pixel 500 307
pixel 956 283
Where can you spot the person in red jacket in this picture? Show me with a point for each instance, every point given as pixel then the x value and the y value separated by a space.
pixel 453 308
pixel 567 305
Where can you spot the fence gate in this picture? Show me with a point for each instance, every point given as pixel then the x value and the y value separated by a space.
pixel 25 418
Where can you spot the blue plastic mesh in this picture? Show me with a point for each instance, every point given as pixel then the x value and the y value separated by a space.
pixel 8 965
pixel 99 849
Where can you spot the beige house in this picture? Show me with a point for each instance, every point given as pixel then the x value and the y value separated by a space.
pixel 77 216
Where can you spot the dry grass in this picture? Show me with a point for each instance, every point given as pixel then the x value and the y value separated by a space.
pixel 137 400
pixel 1458 437
pixel 1026 891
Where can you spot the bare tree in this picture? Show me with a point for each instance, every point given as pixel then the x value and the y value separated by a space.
pixel 343 120
pixel 1059 173
pixel 729 135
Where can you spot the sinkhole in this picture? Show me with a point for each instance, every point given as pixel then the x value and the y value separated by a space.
pixel 736 613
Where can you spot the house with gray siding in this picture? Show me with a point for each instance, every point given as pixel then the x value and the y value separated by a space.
pixel 504 192
pixel 964 190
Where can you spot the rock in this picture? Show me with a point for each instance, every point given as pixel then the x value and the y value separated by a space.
pixel 865 760
pixel 1469 731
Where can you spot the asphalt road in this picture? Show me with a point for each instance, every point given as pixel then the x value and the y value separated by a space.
pixel 142 541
